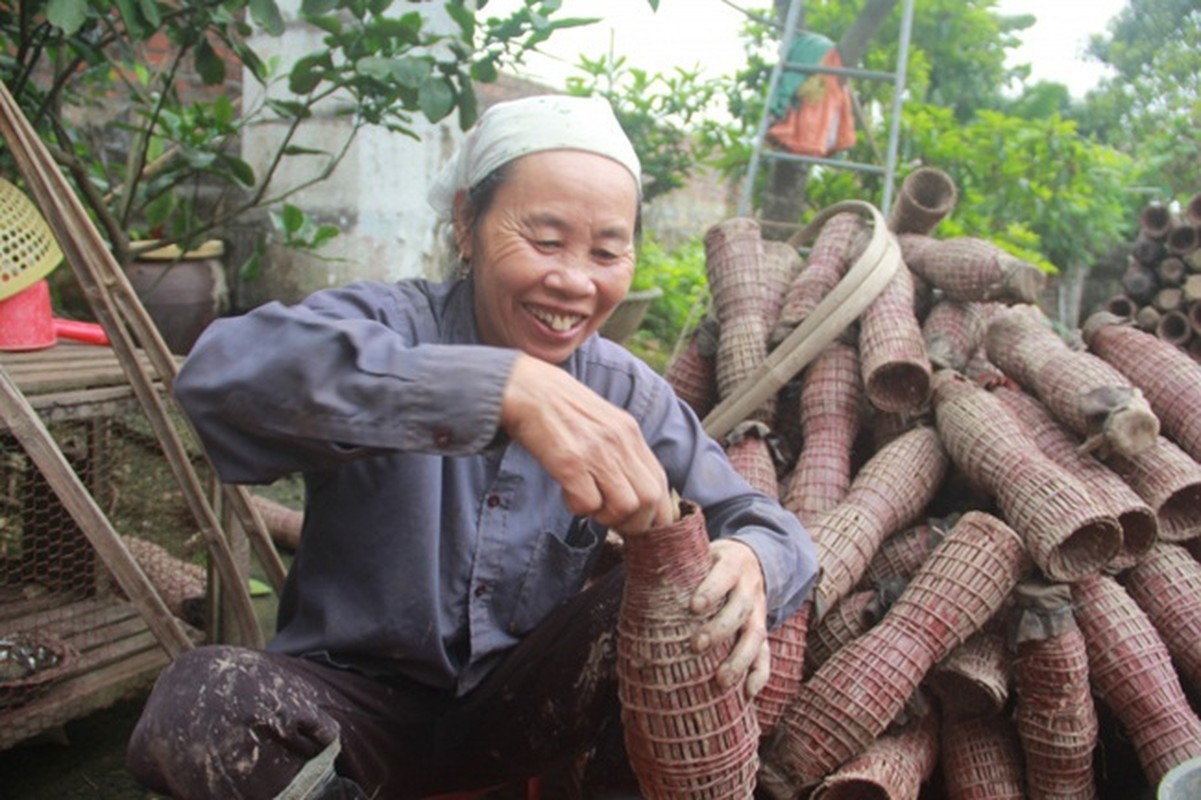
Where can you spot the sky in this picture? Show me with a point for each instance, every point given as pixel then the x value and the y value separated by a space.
pixel 691 33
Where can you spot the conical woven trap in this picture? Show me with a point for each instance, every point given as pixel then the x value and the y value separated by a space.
pixel 28 251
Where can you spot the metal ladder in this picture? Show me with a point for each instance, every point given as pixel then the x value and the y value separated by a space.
pixel 896 78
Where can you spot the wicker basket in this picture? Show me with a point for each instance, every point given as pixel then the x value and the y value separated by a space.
pixel 1067 533
pixel 953 330
pixel 734 263
pixel 850 618
pixel 896 370
pixel 926 196
pixel 1140 527
pixel 1168 377
pixel 1170 481
pixel 1131 672
pixel 902 553
pixel 974 678
pixel 693 373
pixel 853 697
pixel 832 251
pixel 831 395
pixel 893 767
pixel 1167 586
pixel 52 659
pixel 972 269
pixel 750 455
pixel 981 759
pixel 686 737
pixel 1056 720
pixel 788 644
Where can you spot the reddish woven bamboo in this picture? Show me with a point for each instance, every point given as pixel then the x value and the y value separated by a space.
pixel 1169 480
pixel 686 737
pixel 1167 586
pixel 282 522
pixel 974 678
pixel 831 395
pixel 981 759
pixel 893 767
pixel 926 196
pixel 972 269
pixel 1082 391
pixel 889 492
pixel 781 264
pixel 892 353
pixel 853 697
pixel 1168 377
pixel 693 376
pixel 741 348
pixel 1067 533
pixel 1055 717
pixel 788 644
pixel 850 618
pixel 734 264
pixel 1140 527
pixel 181 584
pixel 1132 673
pixel 750 455
pixel 953 330
pixel 902 554
pixel 833 250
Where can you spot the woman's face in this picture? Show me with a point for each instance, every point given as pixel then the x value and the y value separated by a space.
pixel 554 252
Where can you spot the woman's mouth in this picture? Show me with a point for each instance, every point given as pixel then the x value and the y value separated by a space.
pixel 560 323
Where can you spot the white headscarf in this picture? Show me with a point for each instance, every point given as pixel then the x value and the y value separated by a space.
pixel 530 125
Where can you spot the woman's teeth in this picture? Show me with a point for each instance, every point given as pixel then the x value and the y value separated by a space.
pixel 558 322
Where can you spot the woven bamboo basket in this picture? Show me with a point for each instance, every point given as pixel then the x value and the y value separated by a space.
pixel 892 353
pixel 1132 673
pixel 833 250
pixel 981 759
pixel 1138 521
pixel 181 584
pixel 734 262
pixel 831 396
pixel 853 697
pixel 750 455
pixel 1169 480
pixel 893 767
pixel 693 373
pixel 1082 391
pixel 889 492
pixel 788 644
pixel 974 678
pixel 953 330
pixel 1067 533
pixel 972 269
pixel 1056 720
pixel 1167 586
pixel 902 553
pixel 52 659
pixel 741 348
pixel 850 618
pixel 686 737
pixel 1168 377
pixel 781 263
pixel 283 523
pixel 926 196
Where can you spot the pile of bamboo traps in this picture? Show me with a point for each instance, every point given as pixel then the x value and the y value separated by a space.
pixel 1007 519
pixel 1161 285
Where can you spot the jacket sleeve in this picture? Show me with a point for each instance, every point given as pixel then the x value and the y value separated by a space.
pixel 345 374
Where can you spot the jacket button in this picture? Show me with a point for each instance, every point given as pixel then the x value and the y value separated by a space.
pixel 442 437
pixel 493 500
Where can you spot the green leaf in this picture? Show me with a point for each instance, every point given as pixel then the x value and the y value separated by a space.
pixel 307 72
pixel 464 18
pixel 292 218
pixel 374 67
pixel 132 19
pixel 484 71
pixel 151 12
pixel 654 4
pixel 411 72
pixel 257 588
pixel 435 98
pixel 297 150
pixel 67 14
pixel 324 234
pixel 242 171
pixel 223 110
pixel 266 14
pixel 317 8
pixel 252 267
pixel 209 65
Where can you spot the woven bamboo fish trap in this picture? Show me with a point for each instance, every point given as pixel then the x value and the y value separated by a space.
pixel 686 737
pixel 953 330
pixel 981 759
pixel 1067 533
pixel 1169 480
pixel 1167 586
pixel 892 353
pixel 832 252
pixel 781 264
pixel 181 584
pixel 787 642
pixel 750 455
pixel 741 348
pixel 902 553
pixel 693 373
pixel 968 269
pixel 974 678
pixel 1132 673
pixel 893 767
pixel 926 196
pixel 1056 720
pixel 831 396
pixel 854 696
pixel 1139 524
pixel 850 618
pixel 890 491
pixel 734 262
pixel 1168 377
pixel 1081 390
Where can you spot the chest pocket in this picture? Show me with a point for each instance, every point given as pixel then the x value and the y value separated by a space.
pixel 556 572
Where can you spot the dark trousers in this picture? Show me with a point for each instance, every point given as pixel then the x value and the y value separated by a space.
pixel 226 722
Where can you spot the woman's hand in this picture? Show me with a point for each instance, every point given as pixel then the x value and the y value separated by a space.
pixel 594 449
pixel 737 579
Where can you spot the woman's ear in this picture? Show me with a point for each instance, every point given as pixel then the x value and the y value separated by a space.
pixel 463 219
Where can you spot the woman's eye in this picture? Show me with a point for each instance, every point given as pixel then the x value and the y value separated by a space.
pixel 604 255
pixel 547 244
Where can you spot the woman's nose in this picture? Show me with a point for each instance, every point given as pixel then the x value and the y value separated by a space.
pixel 572 276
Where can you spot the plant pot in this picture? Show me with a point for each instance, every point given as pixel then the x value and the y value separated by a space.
pixel 182 291
pixel 628 315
